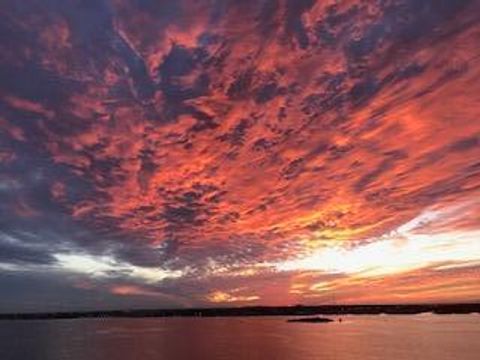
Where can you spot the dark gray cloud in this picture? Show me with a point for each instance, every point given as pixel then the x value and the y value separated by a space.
pixel 17 254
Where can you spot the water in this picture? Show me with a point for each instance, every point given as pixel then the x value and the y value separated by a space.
pixel 425 337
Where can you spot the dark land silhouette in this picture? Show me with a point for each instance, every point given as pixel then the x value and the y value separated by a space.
pixel 311 320
pixel 297 310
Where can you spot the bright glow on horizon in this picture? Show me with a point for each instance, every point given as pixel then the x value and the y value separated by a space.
pixel 402 251
pixel 224 297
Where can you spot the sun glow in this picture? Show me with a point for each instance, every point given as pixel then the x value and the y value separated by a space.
pixel 401 251
pixel 224 297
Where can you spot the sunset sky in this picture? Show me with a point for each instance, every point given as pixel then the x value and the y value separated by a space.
pixel 178 153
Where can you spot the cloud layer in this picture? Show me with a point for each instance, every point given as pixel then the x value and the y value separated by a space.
pixel 180 153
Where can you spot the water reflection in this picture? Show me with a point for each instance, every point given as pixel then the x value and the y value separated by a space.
pixel 426 337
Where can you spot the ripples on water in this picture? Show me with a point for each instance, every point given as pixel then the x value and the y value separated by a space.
pixel 425 337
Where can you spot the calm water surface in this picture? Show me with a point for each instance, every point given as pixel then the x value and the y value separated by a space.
pixel 425 337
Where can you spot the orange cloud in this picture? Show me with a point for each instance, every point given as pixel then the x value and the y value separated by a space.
pixel 332 144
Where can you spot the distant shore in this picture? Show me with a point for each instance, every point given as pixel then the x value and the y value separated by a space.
pixel 297 310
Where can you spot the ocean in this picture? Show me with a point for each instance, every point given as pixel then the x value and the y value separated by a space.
pixel 385 337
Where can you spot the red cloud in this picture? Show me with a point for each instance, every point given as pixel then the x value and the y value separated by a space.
pixel 238 136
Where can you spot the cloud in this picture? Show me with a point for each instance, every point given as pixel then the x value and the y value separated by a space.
pixel 104 266
pixel 210 140
pixel 404 250
pixel 13 252
pixel 222 297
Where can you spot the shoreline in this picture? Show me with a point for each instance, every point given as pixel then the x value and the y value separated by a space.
pixel 255 311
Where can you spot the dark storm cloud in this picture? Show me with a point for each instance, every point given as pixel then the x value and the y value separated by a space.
pixel 181 62
pixel 237 134
pixel 21 254
pixel 293 20
pixel 140 255
pixel 402 21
